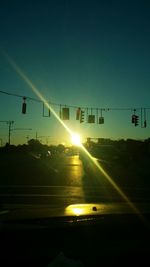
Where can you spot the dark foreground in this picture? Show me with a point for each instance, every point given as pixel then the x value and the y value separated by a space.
pixel 63 180
pixel 33 189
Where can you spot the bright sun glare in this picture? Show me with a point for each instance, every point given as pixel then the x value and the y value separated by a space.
pixel 76 139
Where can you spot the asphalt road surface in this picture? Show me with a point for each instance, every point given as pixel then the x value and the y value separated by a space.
pixel 60 182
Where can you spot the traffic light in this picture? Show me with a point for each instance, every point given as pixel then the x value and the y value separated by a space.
pixel 101 120
pixel 133 118
pixel 24 106
pixel 136 123
pixel 65 114
pixel 78 113
pixel 82 113
pixel 46 113
pixel 91 118
pixel 145 124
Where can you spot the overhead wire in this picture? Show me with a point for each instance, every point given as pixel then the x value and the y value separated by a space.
pixel 73 106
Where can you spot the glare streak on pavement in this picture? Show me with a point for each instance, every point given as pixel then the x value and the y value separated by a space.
pixel 70 185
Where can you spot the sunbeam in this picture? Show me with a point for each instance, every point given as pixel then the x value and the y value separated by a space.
pixel 40 96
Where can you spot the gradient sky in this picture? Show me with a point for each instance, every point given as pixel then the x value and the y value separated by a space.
pixel 83 53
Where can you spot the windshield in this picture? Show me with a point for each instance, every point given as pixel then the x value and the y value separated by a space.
pixel 74 102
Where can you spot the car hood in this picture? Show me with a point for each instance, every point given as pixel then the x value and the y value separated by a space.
pixel 23 212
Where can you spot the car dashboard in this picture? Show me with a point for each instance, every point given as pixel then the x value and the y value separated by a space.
pixel 106 239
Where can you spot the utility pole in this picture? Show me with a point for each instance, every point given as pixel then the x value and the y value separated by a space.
pixel 10 123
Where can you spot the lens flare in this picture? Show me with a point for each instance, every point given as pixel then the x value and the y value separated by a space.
pixel 106 175
pixel 34 89
pixel 114 185
pixel 76 139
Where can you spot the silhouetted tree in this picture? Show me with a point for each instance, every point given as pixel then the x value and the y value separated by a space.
pixel 60 148
pixel 35 145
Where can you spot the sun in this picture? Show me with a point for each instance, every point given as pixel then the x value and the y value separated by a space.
pixel 76 140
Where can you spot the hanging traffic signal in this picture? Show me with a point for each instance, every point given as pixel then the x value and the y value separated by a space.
pixel 65 114
pixel 133 118
pixel 82 113
pixel 44 112
pixel 24 106
pixel 136 123
pixel 91 118
pixel 101 120
pixel 78 113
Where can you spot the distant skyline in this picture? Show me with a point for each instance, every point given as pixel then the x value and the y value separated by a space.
pixel 80 53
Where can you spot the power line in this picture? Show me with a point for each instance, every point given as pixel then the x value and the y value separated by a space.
pixel 82 112
pixel 72 106
pixel 21 96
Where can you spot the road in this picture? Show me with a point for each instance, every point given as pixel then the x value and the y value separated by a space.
pixel 63 182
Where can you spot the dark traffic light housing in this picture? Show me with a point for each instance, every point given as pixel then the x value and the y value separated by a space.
pixel 24 106
pixel 65 114
pixel 82 113
pixel 101 120
pixel 78 111
pixel 91 118
pixel 136 123
pixel 135 119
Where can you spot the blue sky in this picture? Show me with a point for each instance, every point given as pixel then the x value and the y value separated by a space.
pixel 82 53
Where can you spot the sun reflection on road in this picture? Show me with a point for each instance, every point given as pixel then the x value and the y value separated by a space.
pixel 75 138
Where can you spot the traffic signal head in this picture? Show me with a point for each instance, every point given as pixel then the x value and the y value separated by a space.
pixel 24 106
pixel 136 123
pixel 78 113
pixel 145 124
pixel 91 118
pixel 133 118
pixel 82 113
pixel 65 114
pixel 101 120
